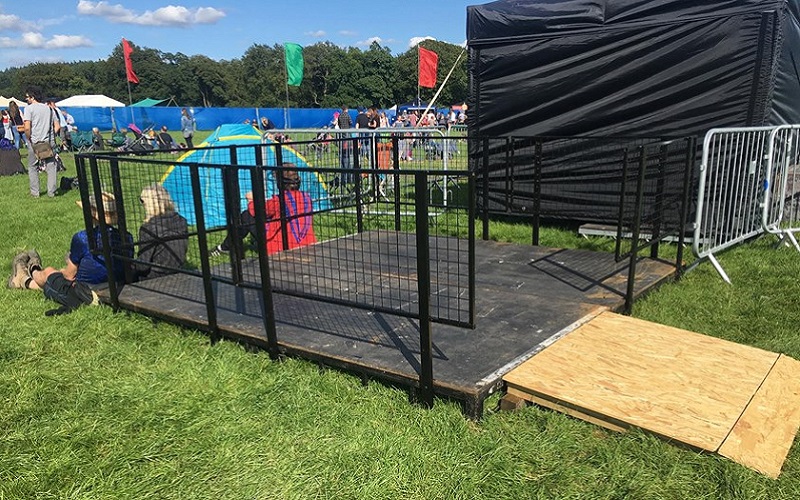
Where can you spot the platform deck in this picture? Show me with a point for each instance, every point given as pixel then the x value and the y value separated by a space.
pixel 707 393
pixel 526 298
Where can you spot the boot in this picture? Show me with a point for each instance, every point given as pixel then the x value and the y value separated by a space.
pixel 20 275
pixel 34 261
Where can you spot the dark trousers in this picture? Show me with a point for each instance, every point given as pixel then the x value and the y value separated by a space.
pixel 245 228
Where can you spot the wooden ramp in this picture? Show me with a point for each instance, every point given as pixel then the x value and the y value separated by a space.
pixel 708 393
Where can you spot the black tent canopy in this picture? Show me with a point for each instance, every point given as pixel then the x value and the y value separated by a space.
pixel 632 67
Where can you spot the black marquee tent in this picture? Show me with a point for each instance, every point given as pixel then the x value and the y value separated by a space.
pixel 622 68
pixel 632 67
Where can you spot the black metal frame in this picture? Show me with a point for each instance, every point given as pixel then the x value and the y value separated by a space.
pixel 512 172
pixel 115 169
pixel 105 169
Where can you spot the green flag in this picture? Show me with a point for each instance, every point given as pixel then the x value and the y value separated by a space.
pixel 294 63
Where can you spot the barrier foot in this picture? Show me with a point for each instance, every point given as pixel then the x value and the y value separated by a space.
pixel 719 269
pixel 790 236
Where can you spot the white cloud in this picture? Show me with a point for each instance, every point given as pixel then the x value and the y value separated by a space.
pixel 171 15
pixel 347 33
pixel 103 9
pixel 370 40
pixel 10 22
pixel 68 42
pixel 414 41
pixel 32 40
pixel 316 34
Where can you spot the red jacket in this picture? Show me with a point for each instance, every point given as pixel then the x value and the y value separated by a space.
pixel 300 230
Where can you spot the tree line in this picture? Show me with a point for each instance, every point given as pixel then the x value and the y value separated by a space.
pixel 333 76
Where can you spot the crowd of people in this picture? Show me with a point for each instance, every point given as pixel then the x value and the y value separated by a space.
pixel 163 237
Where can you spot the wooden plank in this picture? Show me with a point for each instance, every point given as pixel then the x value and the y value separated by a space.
pixel 675 383
pixel 763 435
pixel 573 412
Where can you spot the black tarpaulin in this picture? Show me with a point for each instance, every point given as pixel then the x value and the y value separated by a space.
pixel 631 68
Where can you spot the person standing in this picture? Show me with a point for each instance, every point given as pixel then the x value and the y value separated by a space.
pixel 188 127
pixel 18 130
pixel 343 120
pixel 41 125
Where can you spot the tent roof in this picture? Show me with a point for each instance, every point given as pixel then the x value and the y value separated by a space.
pixel 148 102
pixel 90 101
pixel 4 101
pixel 236 133
pixel 509 20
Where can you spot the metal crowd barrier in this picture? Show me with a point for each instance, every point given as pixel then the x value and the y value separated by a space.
pixel 746 188
pixel 781 215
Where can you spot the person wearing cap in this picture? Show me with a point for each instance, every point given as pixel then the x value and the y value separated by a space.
pixel 82 265
pixel 299 209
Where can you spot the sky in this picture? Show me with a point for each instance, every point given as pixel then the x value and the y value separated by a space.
pixel 84 30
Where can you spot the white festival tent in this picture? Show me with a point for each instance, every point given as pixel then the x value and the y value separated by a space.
pixel 90 101
pixel 5 101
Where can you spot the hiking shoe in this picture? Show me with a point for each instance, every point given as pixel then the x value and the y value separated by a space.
pixel 34 261
pixel 20 258
pixel 20 275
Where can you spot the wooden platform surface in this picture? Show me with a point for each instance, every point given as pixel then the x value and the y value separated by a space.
pixel 708 393
pixel 526 298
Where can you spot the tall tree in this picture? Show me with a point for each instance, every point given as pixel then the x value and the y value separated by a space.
pixel 334 76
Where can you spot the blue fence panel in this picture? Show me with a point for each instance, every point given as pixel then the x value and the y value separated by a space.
pixel 207 118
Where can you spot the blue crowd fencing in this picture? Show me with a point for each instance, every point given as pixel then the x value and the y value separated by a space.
pixel 207 118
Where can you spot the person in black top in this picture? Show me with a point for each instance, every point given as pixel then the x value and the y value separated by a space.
pixel 343 120
pixel 163 236
pixel 266 124
pixel 165 140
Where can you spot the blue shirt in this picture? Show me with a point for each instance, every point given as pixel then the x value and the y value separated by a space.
pixel 92 268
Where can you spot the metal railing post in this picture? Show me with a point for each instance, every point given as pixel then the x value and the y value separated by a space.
pixel 635 230
pixel 485 211
pixel 211 305
pixel 267 303
pixel 424 289
pixel 537 190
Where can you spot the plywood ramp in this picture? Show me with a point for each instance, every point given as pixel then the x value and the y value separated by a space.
pixel 708 393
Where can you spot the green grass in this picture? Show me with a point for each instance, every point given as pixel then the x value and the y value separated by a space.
pixel 98 405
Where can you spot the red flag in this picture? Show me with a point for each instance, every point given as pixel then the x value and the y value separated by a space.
pixel 127 50
pixel 428 62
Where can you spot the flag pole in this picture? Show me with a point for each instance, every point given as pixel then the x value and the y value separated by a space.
pixel 418 61
pixel 441 87
pixel 130 101
pixel 286 82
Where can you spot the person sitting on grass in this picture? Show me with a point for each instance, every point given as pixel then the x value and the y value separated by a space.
pixel 97 139
pixel 299 207
pixel 165 140
pixel 69 286
pixel 163 236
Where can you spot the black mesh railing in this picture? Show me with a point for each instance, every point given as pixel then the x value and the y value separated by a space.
pixel 383 220
pixel 639 185
pixel 364 222
pixel 575 178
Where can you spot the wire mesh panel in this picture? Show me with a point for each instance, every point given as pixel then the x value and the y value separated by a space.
pixel 654 195
pixel 333 231
pixel 576 178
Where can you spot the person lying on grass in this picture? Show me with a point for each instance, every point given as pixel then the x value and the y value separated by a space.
pixel 69 286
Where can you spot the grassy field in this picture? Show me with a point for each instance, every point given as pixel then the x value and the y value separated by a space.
pixel 101 405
